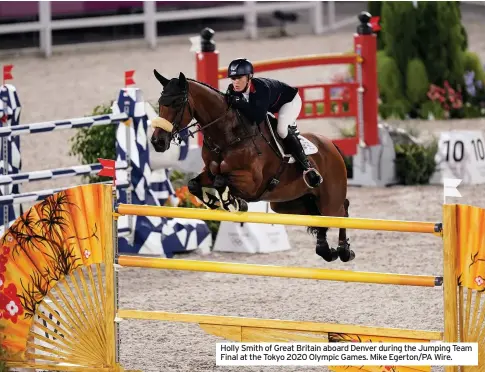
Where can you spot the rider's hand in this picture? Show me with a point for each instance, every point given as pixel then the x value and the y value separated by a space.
pixel 230 90
pixel 233 100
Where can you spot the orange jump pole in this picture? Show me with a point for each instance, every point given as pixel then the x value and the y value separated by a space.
pixel 280 219
pixel 280 271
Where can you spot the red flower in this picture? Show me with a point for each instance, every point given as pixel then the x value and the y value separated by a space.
pixel 3 263
pixel 2 281
pixel 6 250
pixel 10 306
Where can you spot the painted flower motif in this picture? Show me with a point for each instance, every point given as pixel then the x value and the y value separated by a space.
pixel 87 253
pixel 10 305
pixel 6 250
pixel 12 308
pixel 480 281
pixel 2 281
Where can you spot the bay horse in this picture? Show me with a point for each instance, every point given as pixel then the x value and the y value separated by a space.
pixel 244 162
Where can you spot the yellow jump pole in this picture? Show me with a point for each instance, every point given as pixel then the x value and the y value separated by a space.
pixel 280 271
pixel 280 219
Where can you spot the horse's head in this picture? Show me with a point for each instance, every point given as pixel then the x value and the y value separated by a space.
pixel 175 112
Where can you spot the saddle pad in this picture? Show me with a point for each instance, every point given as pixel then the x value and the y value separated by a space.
pixel 308 147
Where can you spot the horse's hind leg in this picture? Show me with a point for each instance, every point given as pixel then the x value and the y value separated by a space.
pixel 308 205
pixel 343 249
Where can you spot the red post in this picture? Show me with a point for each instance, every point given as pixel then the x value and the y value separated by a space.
pixel 365 45
pixel 207 63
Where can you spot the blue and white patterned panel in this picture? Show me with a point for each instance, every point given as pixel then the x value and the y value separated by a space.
pixel 13 163
pixel 162 187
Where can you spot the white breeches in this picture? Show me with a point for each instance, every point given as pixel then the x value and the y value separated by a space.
pixel 287 115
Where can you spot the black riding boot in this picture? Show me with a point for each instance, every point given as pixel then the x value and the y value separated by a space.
pixel 292 143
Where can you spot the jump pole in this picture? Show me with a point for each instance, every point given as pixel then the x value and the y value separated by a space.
pixel 280 271
pixel 281 218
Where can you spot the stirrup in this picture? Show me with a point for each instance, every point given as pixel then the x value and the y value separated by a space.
pixel 308 171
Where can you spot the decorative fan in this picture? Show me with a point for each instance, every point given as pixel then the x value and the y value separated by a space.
pixel 471 275
pixel 53 303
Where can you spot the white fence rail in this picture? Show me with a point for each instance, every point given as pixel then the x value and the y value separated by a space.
pixel 150 17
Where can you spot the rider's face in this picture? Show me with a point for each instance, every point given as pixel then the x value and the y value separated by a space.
pixel 239 83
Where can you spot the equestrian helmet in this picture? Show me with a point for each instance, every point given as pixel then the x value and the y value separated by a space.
pixel 240 67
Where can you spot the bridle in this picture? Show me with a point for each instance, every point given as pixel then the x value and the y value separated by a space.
pixel 179 102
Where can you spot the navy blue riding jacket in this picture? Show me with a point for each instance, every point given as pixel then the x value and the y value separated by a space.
pixel 265 95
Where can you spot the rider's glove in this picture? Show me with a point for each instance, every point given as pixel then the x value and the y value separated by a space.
pixel 233 100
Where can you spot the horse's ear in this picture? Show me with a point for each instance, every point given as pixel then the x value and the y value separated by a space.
pixel 163 80
pixel 182 81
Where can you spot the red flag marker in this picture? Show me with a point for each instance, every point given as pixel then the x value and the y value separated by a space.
pixel 374 22
pixel 129 78
pixel 108 169
pixel 7 73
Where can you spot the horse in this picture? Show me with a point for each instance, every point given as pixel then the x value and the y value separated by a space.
pixel 245 162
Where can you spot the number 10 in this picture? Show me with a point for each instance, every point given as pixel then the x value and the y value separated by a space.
pixel 458 150
pixel 478 145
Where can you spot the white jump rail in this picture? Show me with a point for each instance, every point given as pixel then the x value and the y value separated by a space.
pixel 42 175
pixel 75 123
pixel 150 17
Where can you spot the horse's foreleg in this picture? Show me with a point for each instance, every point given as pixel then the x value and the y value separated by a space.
pixel 228 201
pixel 237 181
pixel 202 187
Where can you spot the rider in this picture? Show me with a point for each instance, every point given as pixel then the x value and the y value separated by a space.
pixel 257 96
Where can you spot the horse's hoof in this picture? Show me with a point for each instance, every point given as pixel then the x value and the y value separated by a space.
pixel 327 253
pixel 194 187
pixel 345 253
pixel 219 181
pixel 243 206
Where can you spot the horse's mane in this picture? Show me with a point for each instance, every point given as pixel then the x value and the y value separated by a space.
pixel 206 85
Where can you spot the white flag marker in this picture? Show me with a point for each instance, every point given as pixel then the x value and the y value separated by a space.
pixel 195 44
pixel 450 188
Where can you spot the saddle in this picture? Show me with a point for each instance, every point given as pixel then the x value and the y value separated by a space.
pixel 272 123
